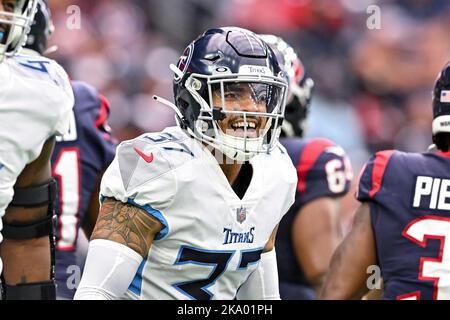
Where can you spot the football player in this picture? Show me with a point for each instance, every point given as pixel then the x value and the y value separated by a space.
pixel 36 100
pixel 192 212
pixel 403 221
pixel 78 161
pixel 310 232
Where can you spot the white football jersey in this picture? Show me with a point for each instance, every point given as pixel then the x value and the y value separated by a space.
pixel 212 240
pixel 36 100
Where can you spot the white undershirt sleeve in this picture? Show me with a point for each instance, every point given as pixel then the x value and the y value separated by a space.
pixel 109 270
pixel 262 284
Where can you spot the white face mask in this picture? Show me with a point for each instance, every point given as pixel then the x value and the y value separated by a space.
pixel 250 108
pixel 17 23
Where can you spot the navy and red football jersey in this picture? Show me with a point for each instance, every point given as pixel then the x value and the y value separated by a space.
pixel 323 170
pixel 409 200
pixel 78 159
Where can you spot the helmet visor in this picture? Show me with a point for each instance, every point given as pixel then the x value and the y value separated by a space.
pixel 246 96
pixel 246 107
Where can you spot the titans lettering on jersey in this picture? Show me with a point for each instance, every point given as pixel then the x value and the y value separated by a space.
pixel 79 157
pixel 212 239
pixel 323 170
pixel 238 237
pixel 410 216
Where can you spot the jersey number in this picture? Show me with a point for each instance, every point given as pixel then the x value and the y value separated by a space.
pixel 432 269
pixel 338 173
pixel 38 65
pixel 66 170
pixel 198 289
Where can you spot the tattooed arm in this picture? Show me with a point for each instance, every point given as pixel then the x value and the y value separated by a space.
pixel 121 238
pixel 126 224
pixel 348 269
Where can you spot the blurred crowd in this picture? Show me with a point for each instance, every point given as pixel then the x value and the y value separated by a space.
pixel 373 86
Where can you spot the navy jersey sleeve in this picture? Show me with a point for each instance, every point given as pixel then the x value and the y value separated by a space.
pixel 323 170
pixel 92 110
pixel 371 176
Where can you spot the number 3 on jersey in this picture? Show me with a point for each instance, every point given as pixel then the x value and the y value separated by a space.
pixel 66 169
pixel 432 269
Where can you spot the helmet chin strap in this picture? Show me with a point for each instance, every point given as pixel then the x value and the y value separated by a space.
pixel 242 149
pixel 237 153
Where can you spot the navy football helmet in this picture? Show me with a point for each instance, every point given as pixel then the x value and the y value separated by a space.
pixel 15 22
pixel 441 109
pixel 226 65
pixel 41 29
pixel 300 86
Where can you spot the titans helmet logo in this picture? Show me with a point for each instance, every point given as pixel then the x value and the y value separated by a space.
pixel 184 60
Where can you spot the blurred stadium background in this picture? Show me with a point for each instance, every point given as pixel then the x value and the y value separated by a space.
pixel 373 87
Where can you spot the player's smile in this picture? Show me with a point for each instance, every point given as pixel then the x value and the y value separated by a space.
pixel 236 126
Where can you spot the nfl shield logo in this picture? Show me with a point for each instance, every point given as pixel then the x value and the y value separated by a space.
pixel 241 214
